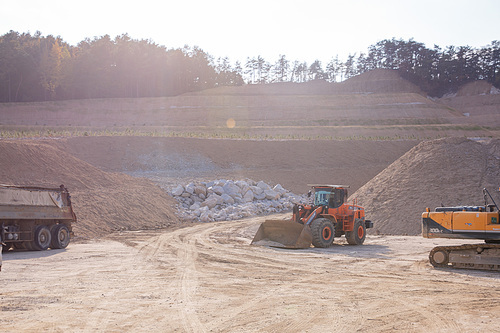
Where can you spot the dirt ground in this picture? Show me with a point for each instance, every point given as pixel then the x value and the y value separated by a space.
pixel 208 278
pixel 175 276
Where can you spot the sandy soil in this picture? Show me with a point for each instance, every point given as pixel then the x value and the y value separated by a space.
pixel 207 278
pixel 445 172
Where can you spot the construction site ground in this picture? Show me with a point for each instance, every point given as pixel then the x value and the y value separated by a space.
pixel 133 265
pixel 208 278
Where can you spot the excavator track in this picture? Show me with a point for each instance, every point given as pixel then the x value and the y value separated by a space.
pixel 469 256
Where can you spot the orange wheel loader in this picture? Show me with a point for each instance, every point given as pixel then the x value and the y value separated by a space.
pixel 318 224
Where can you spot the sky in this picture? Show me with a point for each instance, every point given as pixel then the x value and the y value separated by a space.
pixel 301 30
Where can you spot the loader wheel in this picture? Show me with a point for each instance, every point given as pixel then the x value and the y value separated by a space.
pixel 42 238
pixel 358 234
pixel 323 232
pixel 60 237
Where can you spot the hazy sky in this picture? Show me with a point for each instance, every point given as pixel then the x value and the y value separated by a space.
pixel 301 30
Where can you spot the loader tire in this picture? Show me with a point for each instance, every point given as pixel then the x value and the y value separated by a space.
pixel 358 234
pixel 323 232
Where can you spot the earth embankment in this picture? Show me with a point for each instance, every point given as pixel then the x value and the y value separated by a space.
pixel 103 201
pixel 448 172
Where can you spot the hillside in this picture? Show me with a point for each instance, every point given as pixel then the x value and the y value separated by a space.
pixel 479 101
pixel 290 134
pixel 374 105
pixel 447 172
pixel 103 201
pixel 376 81
pixel 293 164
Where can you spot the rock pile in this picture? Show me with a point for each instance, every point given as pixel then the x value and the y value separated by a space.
pixel 222 200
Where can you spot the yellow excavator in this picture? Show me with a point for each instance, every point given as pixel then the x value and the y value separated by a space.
pixel 465 222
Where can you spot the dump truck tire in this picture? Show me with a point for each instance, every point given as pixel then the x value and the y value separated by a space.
pixel 42 238
pixel 323 232
pixel 60 237
pixel 358 234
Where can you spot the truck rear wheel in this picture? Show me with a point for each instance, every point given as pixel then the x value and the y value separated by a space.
pixel 60 237
pixel 323 232
pixel 358 234
pixel 41 238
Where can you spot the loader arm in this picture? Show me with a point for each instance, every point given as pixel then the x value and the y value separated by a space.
pixel 309 218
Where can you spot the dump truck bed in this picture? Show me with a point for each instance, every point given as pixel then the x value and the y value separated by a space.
pixel 35 203
pixel 35 218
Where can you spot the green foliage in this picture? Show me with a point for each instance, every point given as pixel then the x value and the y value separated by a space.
pixel 38 68
pixel 219 133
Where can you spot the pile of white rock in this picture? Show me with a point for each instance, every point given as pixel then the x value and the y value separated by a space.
pixel 223 200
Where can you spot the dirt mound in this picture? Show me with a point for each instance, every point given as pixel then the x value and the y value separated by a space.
pixel 480 87
pixel 445 172
pixel 378 81
pixel 478 101
pixel 103 201
pixel 375 81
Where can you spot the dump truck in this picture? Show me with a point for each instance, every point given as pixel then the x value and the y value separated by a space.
pixel 1 250
pixel 329 216
pixel 35 218
pixel 465 222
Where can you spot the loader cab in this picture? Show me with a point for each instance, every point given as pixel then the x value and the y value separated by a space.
pixel 332 196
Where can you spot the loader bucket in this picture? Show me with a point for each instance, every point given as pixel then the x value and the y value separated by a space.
pixel 283 234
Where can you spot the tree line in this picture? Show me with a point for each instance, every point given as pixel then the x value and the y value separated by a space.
pixel 436 71
pixel 45 68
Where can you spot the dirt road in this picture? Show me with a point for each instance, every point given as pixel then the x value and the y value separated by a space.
pixel 207 278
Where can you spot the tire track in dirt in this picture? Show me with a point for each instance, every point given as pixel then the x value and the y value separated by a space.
pixel 207 277
pixel 241 253
pixel 178 250
pixel 201 256
pixel 226 284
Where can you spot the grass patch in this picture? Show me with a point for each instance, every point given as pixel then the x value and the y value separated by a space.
pixel 60 133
